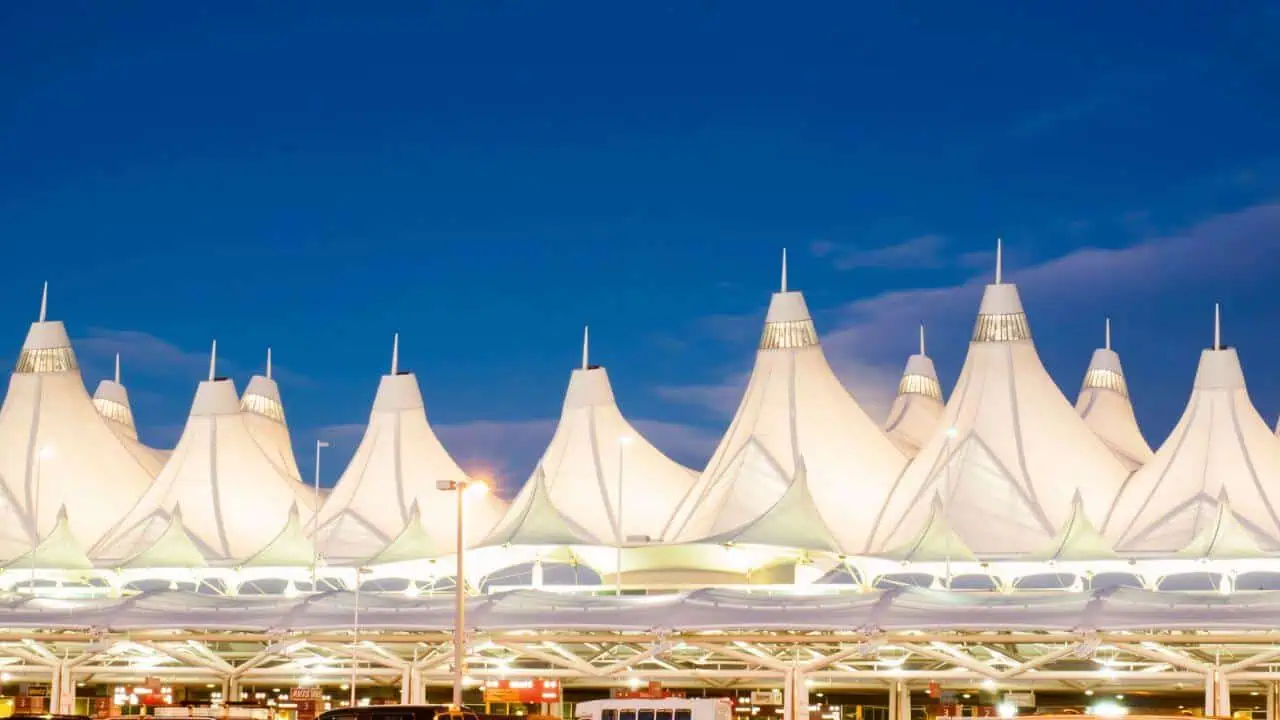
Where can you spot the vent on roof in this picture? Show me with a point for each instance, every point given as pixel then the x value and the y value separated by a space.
pixel 1105 379
pixel 1006 327
pixel 920 385
pixel 263 405
pixel 112 410
pixel 788 334
pixel 47 360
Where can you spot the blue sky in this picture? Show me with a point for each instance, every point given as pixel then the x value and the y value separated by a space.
pixel 487 177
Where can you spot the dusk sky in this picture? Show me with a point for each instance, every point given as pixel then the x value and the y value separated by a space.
pixel 487 177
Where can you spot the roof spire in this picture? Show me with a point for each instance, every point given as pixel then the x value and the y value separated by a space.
pixel 44 301
pixel 395 354
pixel 999 260
pixel 922 338
pixel 117 368
pixel 268 363
pixel 586 336
pixel 1217 327
pixel 784 269
pixel 1107 341
pixel 213 360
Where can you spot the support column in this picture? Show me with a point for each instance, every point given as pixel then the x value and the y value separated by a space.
pixel 894 694
pixel 904 701
pixel 62 690
pixel 1217 695
pixel 795 696
pixel 231 689
pixel 1273 700
pixel 412 689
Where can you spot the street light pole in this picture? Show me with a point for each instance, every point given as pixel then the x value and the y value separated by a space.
pixel 315 520
pixel 355 639
pixel 459 608
pixel 41 455
pixel 459 487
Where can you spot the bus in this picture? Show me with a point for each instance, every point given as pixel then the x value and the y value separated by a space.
pixel 655 709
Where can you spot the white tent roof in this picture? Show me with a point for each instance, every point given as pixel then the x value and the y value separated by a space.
pixel 898 610
pixel 264 414
pixel 1220 445
pixel 234 500
pixel 917 409
pixel 396 466
pixel 112 400
pixel 593 452
pixel 1011 452
pixel 57 452
pixel 794 411
pixel 1105 406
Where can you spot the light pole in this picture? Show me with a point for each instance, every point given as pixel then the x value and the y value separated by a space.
pixel 946 508
pixel 460 488
pixel 355 639
pixel 43 454
pixel 623 442
pixel 315 521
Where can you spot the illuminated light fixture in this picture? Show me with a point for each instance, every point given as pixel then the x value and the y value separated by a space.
pixel 1108 709
pixel 988 684
pixel 1007 710
pixel 634 683
pixel 1088 692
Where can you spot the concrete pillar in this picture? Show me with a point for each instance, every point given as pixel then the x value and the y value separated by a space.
pixel 1217 695
pixel 231 689
pixel 62 689
pixel 795 696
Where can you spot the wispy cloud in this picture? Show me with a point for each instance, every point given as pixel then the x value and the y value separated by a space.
pixel 921 251
pixel 147 355
pixel 1229 248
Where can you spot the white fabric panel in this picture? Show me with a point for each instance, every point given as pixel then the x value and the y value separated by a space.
pixel 794 407
pixel 915 416
pixel 233 499
pixel 1015 459
pixel 87 468
pixel 397 465
pixel 1109 414
pixel 593 452
pixel 1221 445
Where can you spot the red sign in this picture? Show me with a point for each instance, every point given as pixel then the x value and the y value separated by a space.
pixel 935 691
pixel 522 690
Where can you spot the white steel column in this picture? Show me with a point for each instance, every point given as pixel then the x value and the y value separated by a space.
pixel 904 702
pixel 893 700
pixel 406 685
pixel 1217 694
pixel 62 693
pixel 1273 700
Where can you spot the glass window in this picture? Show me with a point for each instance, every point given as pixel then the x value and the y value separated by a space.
pixel 42 360
pixel 665 715
pixel 609 714
pixel 626 715
pixel 684 714
pixel 646 715
pixel 788 334
pixel 1001 328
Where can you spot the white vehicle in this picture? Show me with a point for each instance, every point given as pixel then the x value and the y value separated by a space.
pixel 655 709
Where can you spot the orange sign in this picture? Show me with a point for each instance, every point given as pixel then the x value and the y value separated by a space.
pixel 522 690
